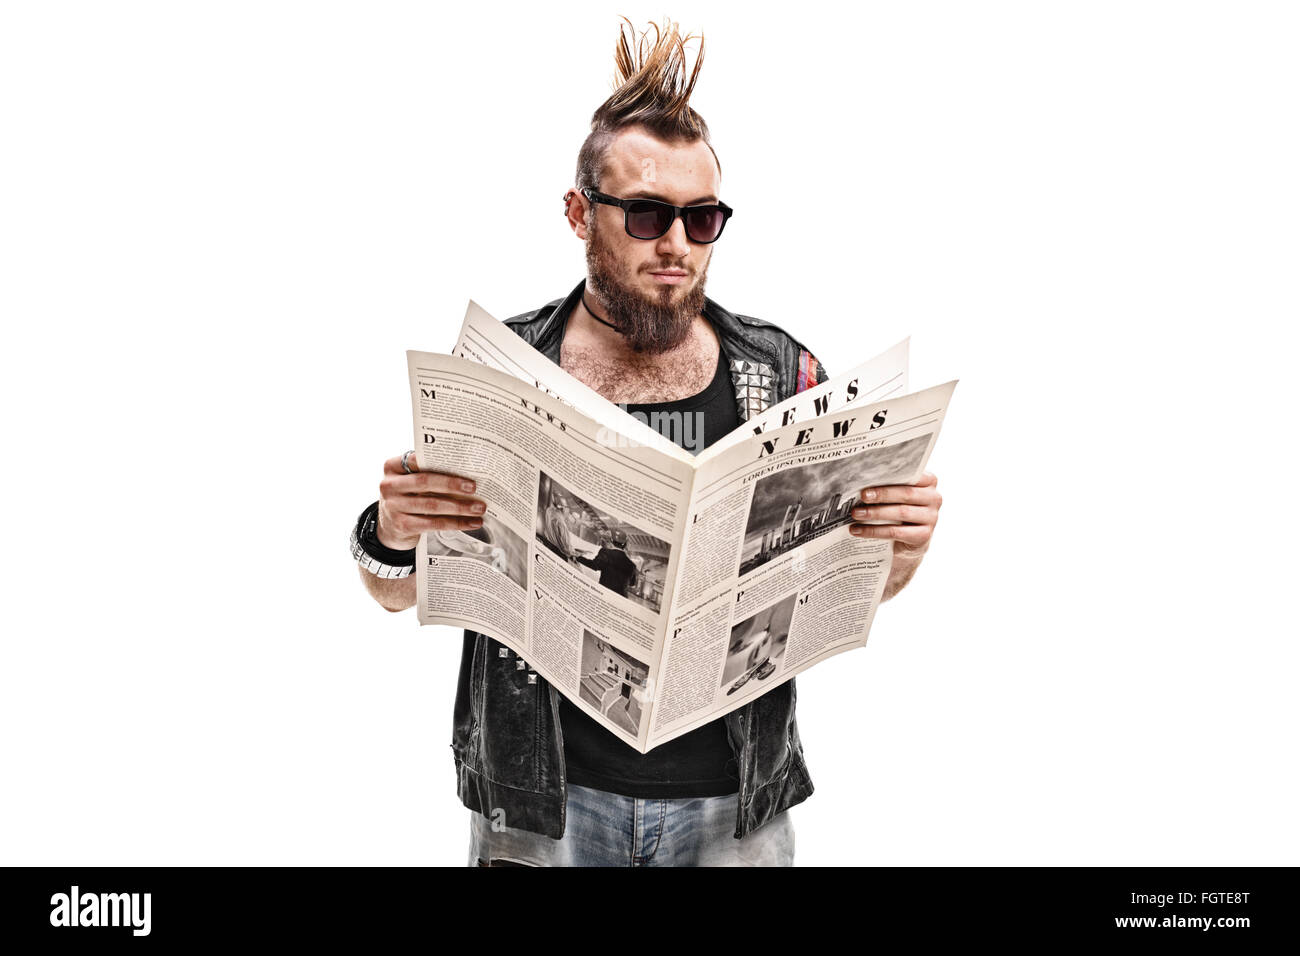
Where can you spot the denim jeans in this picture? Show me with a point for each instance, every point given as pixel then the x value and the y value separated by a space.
pixel 607 829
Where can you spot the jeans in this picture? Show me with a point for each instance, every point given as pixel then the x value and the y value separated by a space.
pixel 607 829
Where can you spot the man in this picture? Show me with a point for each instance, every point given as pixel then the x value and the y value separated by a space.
pixel 549 786
pixel 616 569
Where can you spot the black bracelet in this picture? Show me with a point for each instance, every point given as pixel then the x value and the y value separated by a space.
pixel 368 536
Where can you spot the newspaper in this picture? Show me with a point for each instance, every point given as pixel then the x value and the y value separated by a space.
pixel 656 589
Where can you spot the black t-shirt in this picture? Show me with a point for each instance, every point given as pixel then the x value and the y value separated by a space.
pixel 699 763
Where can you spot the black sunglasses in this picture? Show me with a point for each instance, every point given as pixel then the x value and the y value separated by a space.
pixel 650 218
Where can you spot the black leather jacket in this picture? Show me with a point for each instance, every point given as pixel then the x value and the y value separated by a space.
pixel 506 736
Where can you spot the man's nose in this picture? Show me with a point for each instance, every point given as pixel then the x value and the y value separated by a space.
pixel 673 242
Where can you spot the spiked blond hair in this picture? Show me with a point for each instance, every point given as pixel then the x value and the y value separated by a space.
pixel 652 91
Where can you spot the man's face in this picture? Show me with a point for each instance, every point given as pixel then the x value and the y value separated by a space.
pixel 652 288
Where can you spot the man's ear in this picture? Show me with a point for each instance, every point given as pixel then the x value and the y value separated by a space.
pixel 575 210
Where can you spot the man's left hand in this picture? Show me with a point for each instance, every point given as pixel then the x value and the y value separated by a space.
pixel 917 507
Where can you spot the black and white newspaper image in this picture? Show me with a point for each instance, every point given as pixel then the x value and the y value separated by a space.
pixel 494 544
pixel 793 506
pixel 614 684
pixel 757 645
pixel 621 557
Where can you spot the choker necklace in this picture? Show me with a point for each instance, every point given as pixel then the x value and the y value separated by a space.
pixel 596 317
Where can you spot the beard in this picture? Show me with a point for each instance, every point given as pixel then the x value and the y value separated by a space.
pixel 649 323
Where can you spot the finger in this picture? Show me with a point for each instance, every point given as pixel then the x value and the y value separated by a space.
pixel 901 494
pixel 912 514
pixel 425 483
pixel 909 534
pixel 436 482
pixel 432 505
pixel 394 465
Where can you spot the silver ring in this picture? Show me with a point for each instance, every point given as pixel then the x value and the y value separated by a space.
pixel 405 467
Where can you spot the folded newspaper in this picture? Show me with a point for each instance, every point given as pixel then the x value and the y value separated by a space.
pixel 656 589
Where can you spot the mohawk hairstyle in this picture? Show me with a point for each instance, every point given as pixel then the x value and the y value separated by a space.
pixel 652 91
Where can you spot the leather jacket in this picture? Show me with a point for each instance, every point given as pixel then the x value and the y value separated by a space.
pixel 506 736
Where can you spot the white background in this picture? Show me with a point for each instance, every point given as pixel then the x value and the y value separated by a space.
pixel 224 223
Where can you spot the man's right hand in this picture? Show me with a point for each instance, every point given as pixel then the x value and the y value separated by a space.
pixel 423 501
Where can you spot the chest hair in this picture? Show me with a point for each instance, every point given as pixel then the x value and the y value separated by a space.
pixel 685 373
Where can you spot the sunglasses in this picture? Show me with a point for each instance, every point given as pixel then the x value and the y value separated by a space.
pixel 650 218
